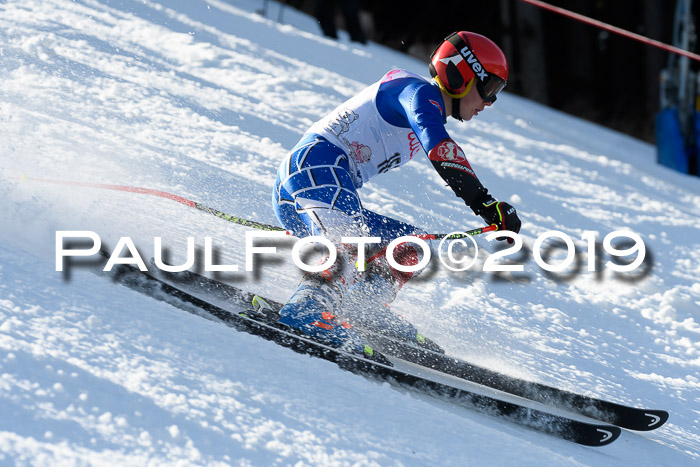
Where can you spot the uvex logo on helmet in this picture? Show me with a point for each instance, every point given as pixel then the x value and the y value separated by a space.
pixel 473 62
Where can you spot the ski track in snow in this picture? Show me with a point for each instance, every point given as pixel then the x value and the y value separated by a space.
pixel 202 99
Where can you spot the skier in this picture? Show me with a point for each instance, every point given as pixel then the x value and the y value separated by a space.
pixel 400 117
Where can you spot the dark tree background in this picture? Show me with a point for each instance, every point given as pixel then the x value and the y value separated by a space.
pixel 555 60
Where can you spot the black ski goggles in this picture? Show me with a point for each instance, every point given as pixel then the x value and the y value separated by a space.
pixel 490 87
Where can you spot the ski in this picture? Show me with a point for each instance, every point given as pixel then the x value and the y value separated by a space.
pixel 632 418
pixel 187 290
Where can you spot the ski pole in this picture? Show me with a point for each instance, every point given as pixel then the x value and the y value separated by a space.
pixel 455 236
pixel 223 215
pixel 162 194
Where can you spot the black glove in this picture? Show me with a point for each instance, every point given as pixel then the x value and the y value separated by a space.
pixel 500 214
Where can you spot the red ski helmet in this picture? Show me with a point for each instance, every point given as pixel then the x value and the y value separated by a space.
pixel 461 57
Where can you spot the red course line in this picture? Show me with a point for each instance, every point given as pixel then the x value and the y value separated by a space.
pixel 614 29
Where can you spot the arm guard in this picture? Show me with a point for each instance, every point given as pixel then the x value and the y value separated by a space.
pixel 452 165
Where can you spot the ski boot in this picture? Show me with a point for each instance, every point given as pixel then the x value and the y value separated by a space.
pixel 368 301
pixel 313 308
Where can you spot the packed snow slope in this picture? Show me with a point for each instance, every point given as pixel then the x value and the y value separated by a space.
pixel 202 99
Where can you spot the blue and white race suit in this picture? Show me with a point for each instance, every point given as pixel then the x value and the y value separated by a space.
pixel 398 118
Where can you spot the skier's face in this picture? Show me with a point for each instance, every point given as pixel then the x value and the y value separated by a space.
pixel 471 104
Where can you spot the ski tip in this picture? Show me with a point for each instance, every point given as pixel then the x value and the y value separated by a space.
pixel 654 419
pixel 592 435
pixel 606 435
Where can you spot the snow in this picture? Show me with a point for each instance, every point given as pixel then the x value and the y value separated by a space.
pixel 202 99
